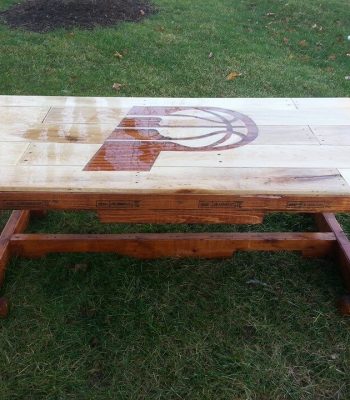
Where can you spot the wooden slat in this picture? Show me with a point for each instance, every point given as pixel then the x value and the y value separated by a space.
pixel 345 173
pixel 59 154
pixel 180 217
pixel 228 181
pixel 285 135
pixel 29 114
pixel 183 200
pixel 261 116
pixel 332 135
pixel 10 153
pixel 56 101
pixel 55 133
pixel 261 156
pixel 149 246
pixel 326 104
pixel 97 134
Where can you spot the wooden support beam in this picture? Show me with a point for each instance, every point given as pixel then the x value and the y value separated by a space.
pixel 17 223
pixel 327 222
pixel 154 245
pixel 180 217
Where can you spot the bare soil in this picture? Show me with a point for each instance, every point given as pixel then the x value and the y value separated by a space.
pixel 47 15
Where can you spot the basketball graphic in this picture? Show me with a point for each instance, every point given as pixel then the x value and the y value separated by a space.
pixel 147 131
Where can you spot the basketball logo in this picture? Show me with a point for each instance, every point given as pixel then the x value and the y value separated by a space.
pixel 147 131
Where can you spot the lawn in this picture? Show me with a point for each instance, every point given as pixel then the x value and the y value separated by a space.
pixel 109 327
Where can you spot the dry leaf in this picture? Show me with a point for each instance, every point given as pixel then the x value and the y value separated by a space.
pixel 332 57
pixel 302 43
pixel 270 14
pixel 118 55
pixel 211 55
pixel 347 78
pixel 347 54
pixel 142 12
pixel 285 40
pixel 117 86
pixel 232 76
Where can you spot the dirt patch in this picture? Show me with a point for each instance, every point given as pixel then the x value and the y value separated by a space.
pixel 47 15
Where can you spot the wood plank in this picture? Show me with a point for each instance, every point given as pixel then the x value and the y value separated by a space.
pixel 26 115
pixel 183 200
pixel 261 116
pixel 180 217
pixel 59 154
pixel 332 135
pixel 345 173
pixel 85 115
pixel 94 134
pixel 225 181
pixel 61 101
pixel 55 133
pixel 284 135
pixel 150 246
pixel 324 103
pixel 261 156
pixel 10 153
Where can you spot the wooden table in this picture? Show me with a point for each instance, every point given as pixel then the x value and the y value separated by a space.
pixel 144 160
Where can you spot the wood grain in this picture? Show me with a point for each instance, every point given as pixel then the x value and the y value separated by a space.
pixel 180 217
pixel 183 200
pixel 17 223
pixel 47 142
pixel 150 246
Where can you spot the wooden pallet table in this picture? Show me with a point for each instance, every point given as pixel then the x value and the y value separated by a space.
pixel 145 160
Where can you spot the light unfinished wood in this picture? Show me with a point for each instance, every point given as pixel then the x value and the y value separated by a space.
pixel 332 135
pixel 60 154
pixel 97 134
pixel 225 181
pixel 345 173
pixel 277 156
pixel 11 153
pixel 60 133
pixel 261 116
pixel 62 101
pixel 322 103
pixel 46 144
pixel 26 115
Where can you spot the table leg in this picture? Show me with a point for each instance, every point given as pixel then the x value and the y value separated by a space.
pixel 17 223
pixel 327 222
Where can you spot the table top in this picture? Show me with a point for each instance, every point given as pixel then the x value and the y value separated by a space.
pixel 238 146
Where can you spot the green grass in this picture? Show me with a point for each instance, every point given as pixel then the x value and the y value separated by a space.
pixel 108 327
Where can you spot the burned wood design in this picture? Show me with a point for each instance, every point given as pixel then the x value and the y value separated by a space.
pixel 139 139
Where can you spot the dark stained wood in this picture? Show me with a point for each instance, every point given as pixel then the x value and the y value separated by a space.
pixel 328 223
pixel 137 149
pixel 180 217
pixel 151 246
pixel 183 200
pixel 17 223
